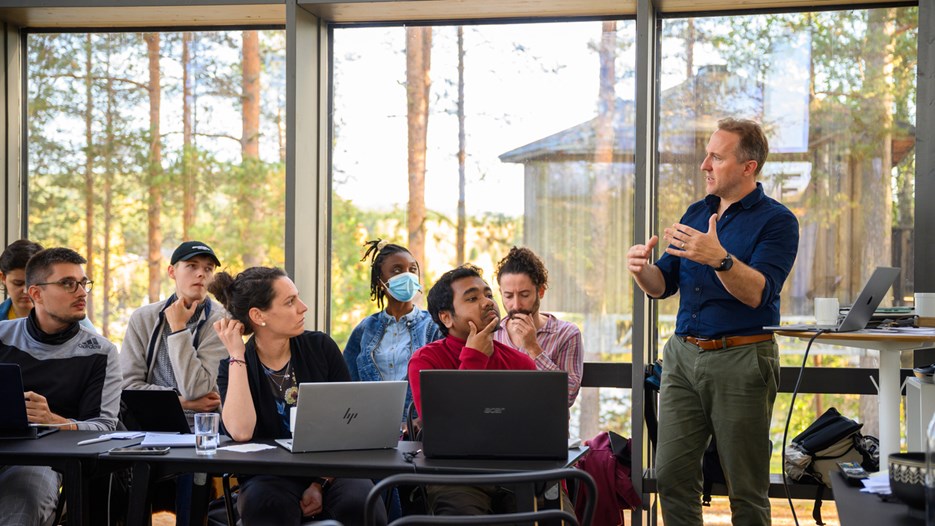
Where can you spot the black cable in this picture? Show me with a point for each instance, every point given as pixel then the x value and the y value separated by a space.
pixel 785 433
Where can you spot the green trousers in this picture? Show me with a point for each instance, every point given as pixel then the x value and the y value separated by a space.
pixel 728 394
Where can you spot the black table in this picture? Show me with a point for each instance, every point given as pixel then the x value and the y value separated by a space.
pixel 858 509
pixel 61 452
pixel 373 464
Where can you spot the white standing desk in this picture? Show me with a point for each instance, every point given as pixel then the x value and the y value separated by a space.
pixel 889 347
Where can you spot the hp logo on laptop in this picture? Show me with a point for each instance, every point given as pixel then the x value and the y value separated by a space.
pixel 349 416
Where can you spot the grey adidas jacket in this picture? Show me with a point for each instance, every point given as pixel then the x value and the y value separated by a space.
pixel 76 371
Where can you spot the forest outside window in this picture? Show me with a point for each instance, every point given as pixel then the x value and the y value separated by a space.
pixel 138 141
pixel 835 92
pixel 463 141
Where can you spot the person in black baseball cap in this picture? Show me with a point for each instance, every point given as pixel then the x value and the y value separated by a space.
pixel 170 345
pixel 190 249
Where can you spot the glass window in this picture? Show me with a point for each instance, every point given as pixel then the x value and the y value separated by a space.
pixel 835 92
pixel 138 141
pixel 547 139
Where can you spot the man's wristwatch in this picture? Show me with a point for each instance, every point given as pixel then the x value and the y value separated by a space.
pixel 726 264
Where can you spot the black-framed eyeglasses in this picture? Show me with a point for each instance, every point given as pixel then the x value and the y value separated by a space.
pixel 71 285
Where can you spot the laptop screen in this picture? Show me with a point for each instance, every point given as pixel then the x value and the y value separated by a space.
pixel 153 410
pixel 495 414
pixel 12 403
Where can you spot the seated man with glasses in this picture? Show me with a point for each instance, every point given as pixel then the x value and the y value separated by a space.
pixel 70 374
pixel 13 280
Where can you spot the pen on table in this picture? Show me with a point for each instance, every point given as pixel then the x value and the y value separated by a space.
pixel 93 441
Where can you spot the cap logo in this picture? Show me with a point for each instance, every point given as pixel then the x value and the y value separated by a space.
pixel 201 247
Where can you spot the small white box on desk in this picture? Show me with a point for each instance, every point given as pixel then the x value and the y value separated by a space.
pixel 920 406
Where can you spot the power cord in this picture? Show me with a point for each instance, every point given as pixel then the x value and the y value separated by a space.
pixel 785 433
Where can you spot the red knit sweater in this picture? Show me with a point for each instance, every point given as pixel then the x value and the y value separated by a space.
pixel 451 353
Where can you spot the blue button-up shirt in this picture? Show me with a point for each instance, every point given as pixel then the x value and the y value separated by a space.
pixel 392 354
pixel 756 230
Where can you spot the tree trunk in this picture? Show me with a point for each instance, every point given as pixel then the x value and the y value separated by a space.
pixel 599 335
pixel 189 161
pixel 874 170
pixel 89 166
pixel 462 215
pixel 418 83
pixel 108 193
pixel 155 169
pixel 690 49
pixel 250 141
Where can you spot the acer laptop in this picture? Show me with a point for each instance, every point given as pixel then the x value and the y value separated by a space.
pixel 150 410
pixel 495 414
pixel 13 421
pixel 338 416
pixel 861 311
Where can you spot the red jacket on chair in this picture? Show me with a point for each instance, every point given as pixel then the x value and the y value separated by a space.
pixel 615 491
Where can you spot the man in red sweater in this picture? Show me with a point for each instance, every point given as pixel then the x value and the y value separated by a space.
pixel 462 305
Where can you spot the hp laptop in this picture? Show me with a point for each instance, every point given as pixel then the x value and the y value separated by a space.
pixel 495 414
pixel 861 311
pixel 13 421
pixel 153 411
pixel 337 416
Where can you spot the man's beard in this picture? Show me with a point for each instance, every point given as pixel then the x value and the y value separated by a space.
pixel 534 311
pixel 67 320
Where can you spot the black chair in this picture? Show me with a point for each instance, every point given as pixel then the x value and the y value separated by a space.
pixel 539 478
pixel 412 421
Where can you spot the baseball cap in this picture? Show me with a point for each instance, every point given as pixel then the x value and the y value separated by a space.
pixel 190 249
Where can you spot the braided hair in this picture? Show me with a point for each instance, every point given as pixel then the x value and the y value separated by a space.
pixel 378 250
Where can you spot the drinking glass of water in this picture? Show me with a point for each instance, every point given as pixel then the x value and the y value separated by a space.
pixel 206 433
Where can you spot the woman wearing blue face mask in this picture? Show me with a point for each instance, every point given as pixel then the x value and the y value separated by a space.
pixel 381 345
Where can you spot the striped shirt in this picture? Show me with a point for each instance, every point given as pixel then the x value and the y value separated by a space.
pixel 561 346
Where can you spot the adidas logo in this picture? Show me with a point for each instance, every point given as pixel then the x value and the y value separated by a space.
pixel 90 344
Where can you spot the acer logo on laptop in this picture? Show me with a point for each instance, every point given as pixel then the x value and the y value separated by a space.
pixel 494 410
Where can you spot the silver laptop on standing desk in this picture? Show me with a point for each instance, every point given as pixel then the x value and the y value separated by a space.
pixel 861 311
pixel 338 416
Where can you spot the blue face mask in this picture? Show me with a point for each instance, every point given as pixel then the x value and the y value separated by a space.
pixel 403 287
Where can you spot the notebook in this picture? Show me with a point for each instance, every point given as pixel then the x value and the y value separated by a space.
pixel 13 421
pixel 861 311
pixel 495 414
pixel 338 416
pixel 146 410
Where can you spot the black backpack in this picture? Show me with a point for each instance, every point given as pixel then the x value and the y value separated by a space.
pixel 815 453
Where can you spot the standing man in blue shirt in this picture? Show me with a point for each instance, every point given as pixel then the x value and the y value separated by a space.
pixel 728 257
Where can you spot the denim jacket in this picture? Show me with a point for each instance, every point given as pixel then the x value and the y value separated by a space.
pixel 366 337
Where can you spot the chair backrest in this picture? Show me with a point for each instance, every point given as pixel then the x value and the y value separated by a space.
pixel 528 477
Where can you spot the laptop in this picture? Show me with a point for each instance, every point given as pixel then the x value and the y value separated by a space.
pixel 148 410
pixel 13 421
pixel 861 311
pixel 339 416
pixel 495 414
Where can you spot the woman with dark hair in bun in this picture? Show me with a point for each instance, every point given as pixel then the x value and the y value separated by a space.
pixel 381 345
pixel 259 384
